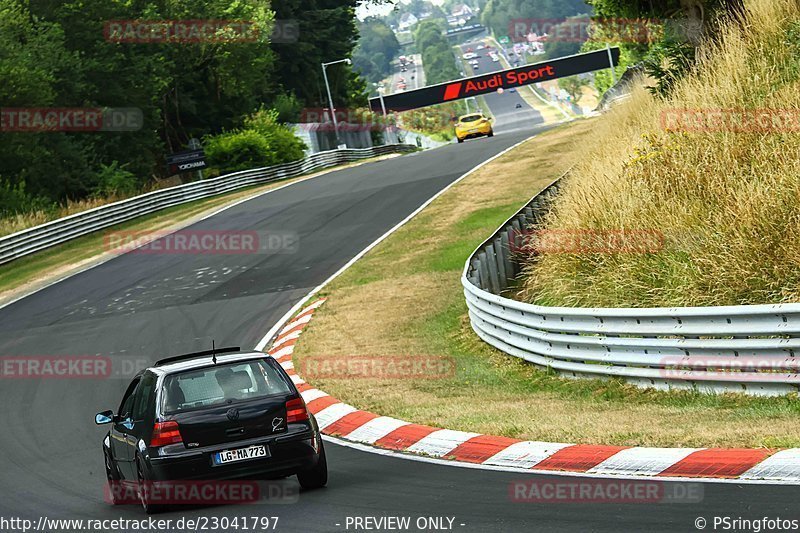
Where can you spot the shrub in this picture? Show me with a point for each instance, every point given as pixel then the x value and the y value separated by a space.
pixel 114 180
pixel 239 150
pixel 263 141
pixel 14 199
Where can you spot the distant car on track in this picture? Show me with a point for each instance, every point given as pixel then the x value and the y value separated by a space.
pixel 473 125
pixel 211 416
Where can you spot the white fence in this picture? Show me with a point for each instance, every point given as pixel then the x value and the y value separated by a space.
pixel 64 229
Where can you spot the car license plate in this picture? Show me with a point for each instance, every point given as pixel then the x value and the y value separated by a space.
pixel 474 130
pixel 240 454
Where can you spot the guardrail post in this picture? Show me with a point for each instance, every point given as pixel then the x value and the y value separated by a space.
pixel 508 264
pixel 500 260
pixel 491 265
pixel 484 271
pixel 528 214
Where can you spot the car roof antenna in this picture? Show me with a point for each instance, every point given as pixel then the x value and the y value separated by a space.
pixel 213 352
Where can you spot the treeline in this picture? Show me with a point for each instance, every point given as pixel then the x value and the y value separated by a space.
pixel 498 14
pixel 59 54
pixel 377 48
pixel 438 59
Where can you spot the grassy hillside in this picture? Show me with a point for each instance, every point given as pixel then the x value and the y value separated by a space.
pixel 725 199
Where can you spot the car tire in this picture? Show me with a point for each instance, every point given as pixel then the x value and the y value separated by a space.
pixel 317 476
pixel 460 140
pixel 113 477
pixel 147 505
pixel 490 134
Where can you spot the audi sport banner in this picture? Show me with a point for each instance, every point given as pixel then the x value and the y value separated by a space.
pixel 505 79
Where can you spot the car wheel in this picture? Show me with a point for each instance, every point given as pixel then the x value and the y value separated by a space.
pixel 113 477
pixel 318 476
pixel 460 140
pixel 491 133
pixel 147 504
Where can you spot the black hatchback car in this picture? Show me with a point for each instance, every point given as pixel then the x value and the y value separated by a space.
pixel 212 416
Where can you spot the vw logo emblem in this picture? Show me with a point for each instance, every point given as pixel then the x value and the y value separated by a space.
pixel 233 414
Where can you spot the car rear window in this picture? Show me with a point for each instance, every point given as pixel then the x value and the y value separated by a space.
pixel 471 118
pixel 217 385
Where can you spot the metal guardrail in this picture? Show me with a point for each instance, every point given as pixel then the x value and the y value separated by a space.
pixel 38 238
pixel 750 348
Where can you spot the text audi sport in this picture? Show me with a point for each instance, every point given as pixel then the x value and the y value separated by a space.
pixel 207 416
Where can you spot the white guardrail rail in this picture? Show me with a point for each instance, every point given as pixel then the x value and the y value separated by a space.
pixel 38 238
pixel 749 348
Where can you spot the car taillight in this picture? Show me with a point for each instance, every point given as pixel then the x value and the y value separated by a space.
pixel 165 433
pixel 296 411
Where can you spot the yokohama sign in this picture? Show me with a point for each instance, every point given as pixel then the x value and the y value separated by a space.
pixel 506 79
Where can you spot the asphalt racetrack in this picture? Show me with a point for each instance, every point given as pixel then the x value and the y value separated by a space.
pixel 139 307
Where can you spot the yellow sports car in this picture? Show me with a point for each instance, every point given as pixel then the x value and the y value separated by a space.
pixel 474 125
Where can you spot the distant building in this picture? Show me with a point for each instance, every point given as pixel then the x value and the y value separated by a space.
pixel 407 20
pixel 462 11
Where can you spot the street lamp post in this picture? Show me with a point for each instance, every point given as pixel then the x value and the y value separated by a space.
pixel 330 97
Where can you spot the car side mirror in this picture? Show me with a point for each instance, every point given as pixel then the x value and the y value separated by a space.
pixel 106 417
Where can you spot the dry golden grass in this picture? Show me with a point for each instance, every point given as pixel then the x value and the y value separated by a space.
pixel 15 223
pixel 404 298
pixel 727 202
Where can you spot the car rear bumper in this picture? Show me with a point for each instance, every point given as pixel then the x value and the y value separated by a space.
pixel 480 133
pixel 286 457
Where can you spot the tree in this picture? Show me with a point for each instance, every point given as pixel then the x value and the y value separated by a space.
pixel 437 54
pixel 377 48
pixel 327 32
pixel 498 14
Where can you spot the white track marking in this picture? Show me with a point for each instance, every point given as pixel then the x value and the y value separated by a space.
pixel 333 413
pixel 286 350
pixel 525 454
pixel 549 473
pixel 286 338
pixel 440 442
pixel 376 429
pixel 312 394
pixel 783 464
pixel 644 461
